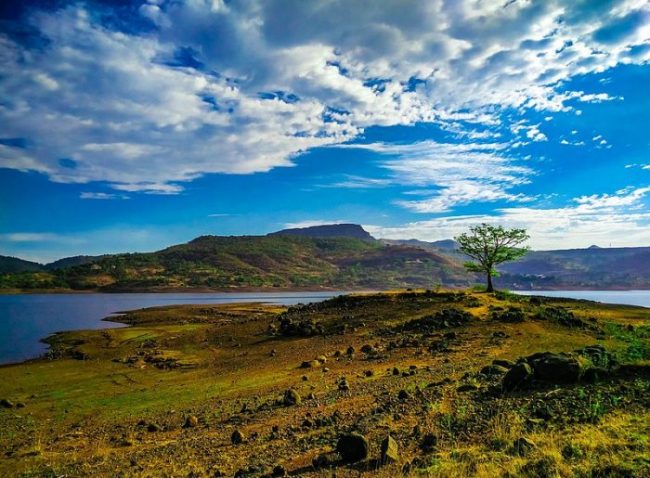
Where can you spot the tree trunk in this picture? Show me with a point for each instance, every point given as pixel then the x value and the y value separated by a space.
pixel 490 287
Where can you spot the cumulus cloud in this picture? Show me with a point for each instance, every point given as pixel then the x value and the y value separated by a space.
pixel 240 87
pixel 618 219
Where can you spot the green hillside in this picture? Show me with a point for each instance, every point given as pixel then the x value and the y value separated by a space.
pixel 277 261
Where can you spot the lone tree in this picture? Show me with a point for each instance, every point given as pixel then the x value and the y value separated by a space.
pixel 489 246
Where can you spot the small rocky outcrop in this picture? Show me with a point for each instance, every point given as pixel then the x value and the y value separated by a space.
pixel 191 422
pixel 389 450
pixel 518 376
pixel 237 437
pixel 291 397
pixel 352 447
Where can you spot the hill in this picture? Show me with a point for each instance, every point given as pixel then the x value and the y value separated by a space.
pixel 595 268
pixel 280 261
pixel 14 264
pixel 354 231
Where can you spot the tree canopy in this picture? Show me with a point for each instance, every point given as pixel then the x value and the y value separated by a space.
pixel 489 246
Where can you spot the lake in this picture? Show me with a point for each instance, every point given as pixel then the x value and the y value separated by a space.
pixel 627 297
pixel 25 319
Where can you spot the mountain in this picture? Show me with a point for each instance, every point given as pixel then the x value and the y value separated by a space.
pixel 338 256
pixel 13 264
pixel 354 231
pixel 72 261
pixel 240 262
pixel 591 268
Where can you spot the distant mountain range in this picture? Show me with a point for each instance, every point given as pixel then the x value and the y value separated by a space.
pixel 337 256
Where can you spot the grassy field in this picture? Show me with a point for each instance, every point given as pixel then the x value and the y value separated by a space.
pixel 115 402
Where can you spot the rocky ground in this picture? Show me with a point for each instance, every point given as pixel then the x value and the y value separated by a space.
pixel 411 383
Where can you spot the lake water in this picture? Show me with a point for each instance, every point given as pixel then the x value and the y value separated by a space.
pixel 628 297
pixel 25 319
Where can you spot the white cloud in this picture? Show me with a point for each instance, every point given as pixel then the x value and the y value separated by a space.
pixel 462 173
pixel 126 112
pixel 35 237
pixel 101 196
pixel 619 219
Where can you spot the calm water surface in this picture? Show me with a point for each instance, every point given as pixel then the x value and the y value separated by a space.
pixel 628 297
pixel 25 319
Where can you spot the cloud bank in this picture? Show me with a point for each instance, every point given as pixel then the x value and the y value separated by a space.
pixel 184 88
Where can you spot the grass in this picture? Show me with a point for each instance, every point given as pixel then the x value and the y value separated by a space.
pixel 79 414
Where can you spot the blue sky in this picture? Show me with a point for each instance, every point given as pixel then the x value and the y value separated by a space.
pixel 133 125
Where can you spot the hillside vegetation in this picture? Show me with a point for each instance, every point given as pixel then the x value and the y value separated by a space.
pixel 277 261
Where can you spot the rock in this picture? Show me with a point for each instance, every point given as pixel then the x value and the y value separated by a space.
pixel 237 437
pixel 352 447
pixel 467 387
pixel 503 363
pixel 494 370
pixel 291 397
pixel 322 461
pixel 518 376
pixel 556 368
pixel 389 450
pixel 191 422
pixel 428 442
pixel 5 403
pixel 279 470
pixel 368 373
pixel 396 371
pixel 322 359
pixel 310 364
pixel 344 386
pixel 154 427
pixel 403 395
pixel 523 446
pixel 369 350
pixel 350 351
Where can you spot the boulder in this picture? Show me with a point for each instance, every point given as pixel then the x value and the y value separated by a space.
pixel 310 364
pixel 556 368
pixel 389 450
pixel 291 397
pixel 352 447
pixel 403 395
pixel 191 422
pixel 518 376
pixel 6 403
pixel 503 363
pixel 494 370
pixel 237 437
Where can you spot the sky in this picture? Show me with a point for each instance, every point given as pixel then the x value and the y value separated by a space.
pixel 132 125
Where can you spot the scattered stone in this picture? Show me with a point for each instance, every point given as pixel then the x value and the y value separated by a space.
pixel 523 446
pixel 403 395
pixel 322 461
pixel 344 386
pixel 467 387
pixel 512 315
pixel 279 470
pixel 368 373
pixel 396 371
pixel 237 437
pixel 428 442
pixel 191 422
pixel 503 363
pixel 154 427
pixel 310 364
pixel 389 450
pixel 350 351
pixel 291 397
pixel 6 403
pixel 352 447
pixel 556 368
pixel 322 359
pixel 517 376
pixel 494 370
